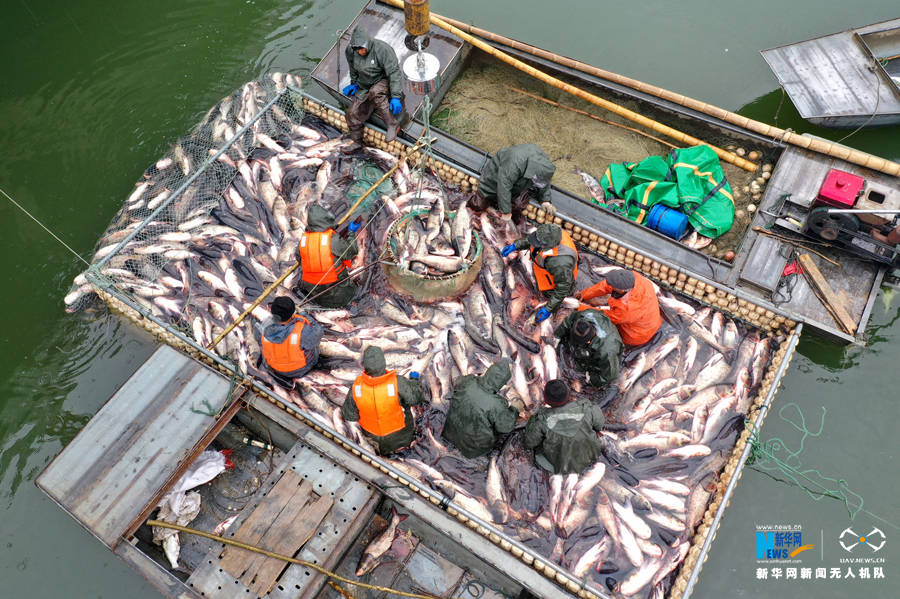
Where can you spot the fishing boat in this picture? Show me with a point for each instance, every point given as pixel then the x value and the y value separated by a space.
pixel 203 206
pixel 777 196
pixel 843 80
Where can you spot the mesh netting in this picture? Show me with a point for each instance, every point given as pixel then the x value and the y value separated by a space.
pixel 195 190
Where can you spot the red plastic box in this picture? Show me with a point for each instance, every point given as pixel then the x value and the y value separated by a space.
pixel 840 189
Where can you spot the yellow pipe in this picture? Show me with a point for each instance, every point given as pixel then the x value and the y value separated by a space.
pixel 679 136
pixel 800 140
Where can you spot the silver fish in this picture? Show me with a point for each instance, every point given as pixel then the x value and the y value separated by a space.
pixel 372 554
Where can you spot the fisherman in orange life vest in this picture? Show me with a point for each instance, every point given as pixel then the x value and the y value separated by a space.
pixel 290 342
pixel 380 400
pixel 555 264
pixel 325 258
pixel 633 306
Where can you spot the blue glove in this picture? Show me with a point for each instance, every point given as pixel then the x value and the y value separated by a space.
pixel 508 249
pixel 414 375
pixel 542 315
pixel 350 89
pixel 396 106
pixel 354 227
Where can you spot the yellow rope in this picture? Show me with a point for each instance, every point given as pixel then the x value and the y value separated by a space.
pixel 285 558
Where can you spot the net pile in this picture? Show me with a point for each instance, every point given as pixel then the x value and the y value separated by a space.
pixel 217 225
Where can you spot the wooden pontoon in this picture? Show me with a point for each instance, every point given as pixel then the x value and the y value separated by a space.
pixel 844 80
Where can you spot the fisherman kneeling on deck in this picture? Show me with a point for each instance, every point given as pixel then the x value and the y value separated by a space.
pixel 376 85
pixel 555 264
pixel 325 258
pixel 633 306
pixel 564 432
pixel 594 342
pixel 478 414
pixel 512 177
pixel 380 400
pixel 290 342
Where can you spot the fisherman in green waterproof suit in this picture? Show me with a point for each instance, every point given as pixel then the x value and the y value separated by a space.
pixel 376 85
pixel 564 433
pixel 380 400
pixel 325 258
pixel 478 414
pixel 594 342
pixel 512 177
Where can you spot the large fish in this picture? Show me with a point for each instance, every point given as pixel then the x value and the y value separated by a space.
pixel 372 554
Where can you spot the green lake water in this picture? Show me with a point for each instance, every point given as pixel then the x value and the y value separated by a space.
pixel 93 92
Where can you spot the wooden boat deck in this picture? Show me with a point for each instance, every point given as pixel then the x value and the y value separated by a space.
pixel 837 80
pixel 377 19
pixel 137 444
pixel 308 504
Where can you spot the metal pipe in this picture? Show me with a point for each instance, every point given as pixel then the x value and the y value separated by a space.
pixel 188 181
pixel 792 345
pixel 853 211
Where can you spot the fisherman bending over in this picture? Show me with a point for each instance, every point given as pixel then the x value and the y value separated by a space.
pixel 324 260
pixel 555 264
pixel 633 305
pixel 478 414
pixel 290 342
pixel 594 342
pixel 564 432
pixel 512 177
pixel 380 400
pixel 376 86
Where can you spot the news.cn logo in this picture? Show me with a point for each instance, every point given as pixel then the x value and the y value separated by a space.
pixel 850 540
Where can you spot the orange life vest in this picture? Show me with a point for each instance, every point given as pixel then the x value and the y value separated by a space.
pixel 566 247
pixel 286 356
pixel 317 259
pixel 378 401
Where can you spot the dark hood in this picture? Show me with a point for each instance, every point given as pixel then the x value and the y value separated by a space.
pixel 373 361
pixel 318 219
pixel 496 376
pixel 360 39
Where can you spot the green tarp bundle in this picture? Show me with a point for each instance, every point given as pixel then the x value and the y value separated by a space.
pixel 688 179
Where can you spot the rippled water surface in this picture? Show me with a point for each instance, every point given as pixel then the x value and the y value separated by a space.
pixel 95 91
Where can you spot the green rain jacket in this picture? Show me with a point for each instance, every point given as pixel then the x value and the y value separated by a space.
pixel 340 293
pixel 509 172
pixel 380 62
pixel 410 395
pixel 562 269
pixel 478 415
pixel 565 438
pixel 601 359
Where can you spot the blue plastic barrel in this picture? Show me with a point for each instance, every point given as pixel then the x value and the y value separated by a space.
pixel 667 221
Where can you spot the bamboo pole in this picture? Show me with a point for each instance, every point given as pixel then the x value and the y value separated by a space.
pixel 800 140
pixel 580 93
pixel 593 116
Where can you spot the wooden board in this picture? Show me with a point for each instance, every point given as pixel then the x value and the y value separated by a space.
pixel 338 504
pixel 833 302
pixel 290 531
pixel 289 491
pixel 106 475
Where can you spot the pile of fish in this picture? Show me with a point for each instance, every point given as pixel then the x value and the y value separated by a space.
pixel 433 243
pixel 674 412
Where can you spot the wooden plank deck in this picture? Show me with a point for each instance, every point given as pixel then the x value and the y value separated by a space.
pixel 126 453
pixel 830 81
pixel 799 175
pixel 385 23
pixel 308 503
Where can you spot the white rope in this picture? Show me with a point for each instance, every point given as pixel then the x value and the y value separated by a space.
pixel 20 207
